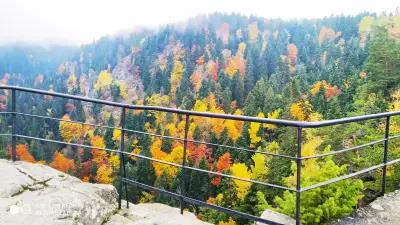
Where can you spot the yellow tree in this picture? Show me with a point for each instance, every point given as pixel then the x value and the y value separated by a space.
pixel 301 110
pixel 253 131
pixel 176 77
pixel 70 131
pixel 242 187
pixel 98 152
pixel 71 83
pixel 272 115
pixel 104 80
pixel 259 169
pixel 253 31
pixel 157 153
pixel 104 174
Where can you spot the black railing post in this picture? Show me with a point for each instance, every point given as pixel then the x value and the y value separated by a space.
pixel 298 179
pixel 122 168
pixel 385 154
pixel 183 174
pixel 14 124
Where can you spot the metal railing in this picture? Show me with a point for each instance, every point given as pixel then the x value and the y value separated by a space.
pixel 125 181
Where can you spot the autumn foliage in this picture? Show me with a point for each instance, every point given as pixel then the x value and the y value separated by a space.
pixel 22 153
pixel 292 54
pixel 70 131
pixel 62 163
pixel 330 91
pixel 223 164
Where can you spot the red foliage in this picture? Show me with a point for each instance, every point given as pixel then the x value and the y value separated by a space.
pixel 216 181
pixel 223 33
pixel 331 92
pixel 86 168
pixel 214 71
pixel 39 79
pixel 3 106
pixel 3 98
pixel 292 54
pixel 223 164
pixel 200 152
pixel 3 102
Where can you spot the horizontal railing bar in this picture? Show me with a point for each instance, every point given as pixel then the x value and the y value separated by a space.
pixel 282 122
pixel 198 202
pixel 343 150
pixel 69 121
pixel 395 136
pixel 159 108
pixel 243 149
pixel 66 143
pixel 349 119
pixel 208 143
pixel 156 135
pixel 158 161
pixel 347 176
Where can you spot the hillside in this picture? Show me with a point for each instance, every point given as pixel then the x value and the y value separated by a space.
pixel 304 70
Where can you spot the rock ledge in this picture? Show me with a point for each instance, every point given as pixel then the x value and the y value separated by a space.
pixel 384 210
pixel 34 194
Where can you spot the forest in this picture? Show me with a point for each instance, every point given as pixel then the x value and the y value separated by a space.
pixel 303 70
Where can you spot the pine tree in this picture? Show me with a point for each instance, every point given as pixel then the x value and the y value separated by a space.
pixel 383 62
pixel 110 143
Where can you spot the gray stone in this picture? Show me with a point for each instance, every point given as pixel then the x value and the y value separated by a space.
pixel 384 210
pixel 153 214
pixel 377 207
pixel 12 181
pixel 36 194
pixel 277 217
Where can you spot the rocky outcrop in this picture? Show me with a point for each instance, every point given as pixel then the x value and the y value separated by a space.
pixel 384 210
pixel 128 73
pixel 34 194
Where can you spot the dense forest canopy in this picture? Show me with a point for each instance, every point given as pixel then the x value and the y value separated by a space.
pixel 309 70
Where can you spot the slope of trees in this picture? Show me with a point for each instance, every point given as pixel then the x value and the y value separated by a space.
pixel 300 70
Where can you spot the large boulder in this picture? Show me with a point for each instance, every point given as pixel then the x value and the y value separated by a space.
pixel 36 194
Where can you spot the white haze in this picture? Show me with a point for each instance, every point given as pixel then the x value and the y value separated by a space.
pixel 83 21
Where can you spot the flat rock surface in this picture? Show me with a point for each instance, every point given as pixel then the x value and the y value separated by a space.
pixel 384 210
pixel 153 214
pixel 34 194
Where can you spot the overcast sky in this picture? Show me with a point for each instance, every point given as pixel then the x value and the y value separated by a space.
pixel 82 21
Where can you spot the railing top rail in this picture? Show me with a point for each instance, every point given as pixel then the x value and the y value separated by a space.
pixel 282 122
